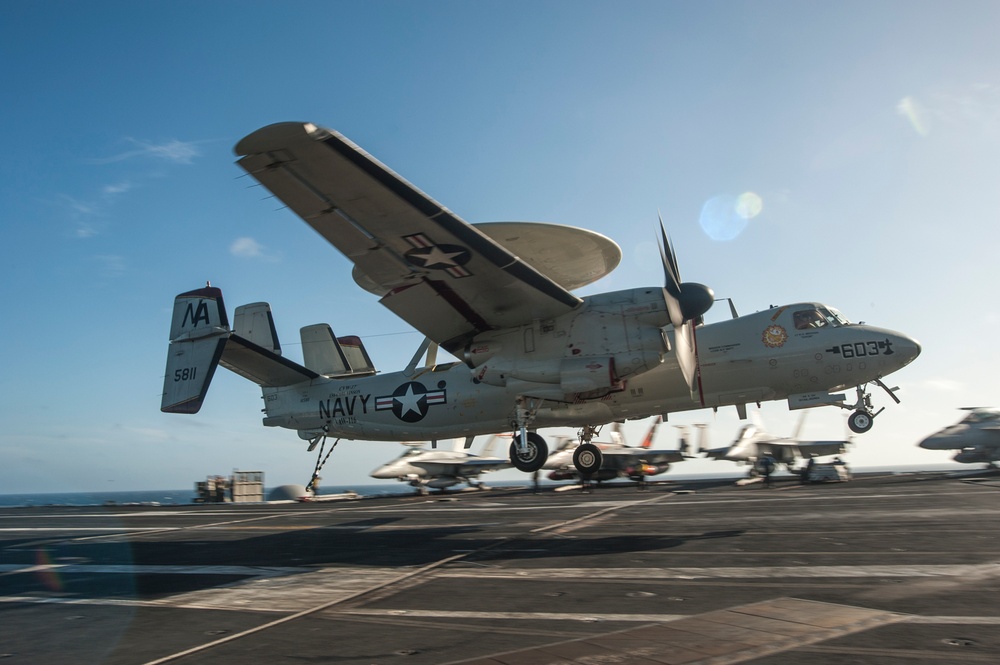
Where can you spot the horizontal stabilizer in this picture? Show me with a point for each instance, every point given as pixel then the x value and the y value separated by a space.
pixel 263 367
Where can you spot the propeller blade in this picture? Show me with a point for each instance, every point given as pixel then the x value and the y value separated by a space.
pixel 686 358
pixel 685 301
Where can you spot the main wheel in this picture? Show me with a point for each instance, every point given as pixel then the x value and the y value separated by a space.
pixel 533 457
pixel 860 422
pixel 587 459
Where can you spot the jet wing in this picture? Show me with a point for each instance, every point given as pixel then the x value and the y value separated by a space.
pixel 441 275
pixel 472 467
pixel 809 449
pixel 619 459
pixel 717 453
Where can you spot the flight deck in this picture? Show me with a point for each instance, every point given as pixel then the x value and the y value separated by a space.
pixel 884 569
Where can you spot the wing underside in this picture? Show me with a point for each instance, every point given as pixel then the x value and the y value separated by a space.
pixel 440 274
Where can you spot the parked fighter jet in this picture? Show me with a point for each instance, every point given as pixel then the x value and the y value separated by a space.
pixel 976 437
pixel 753 443
pixel 427 469
pixel 499 297
pixel 619 460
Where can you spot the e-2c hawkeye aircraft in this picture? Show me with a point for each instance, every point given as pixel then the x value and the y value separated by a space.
pixel 499 297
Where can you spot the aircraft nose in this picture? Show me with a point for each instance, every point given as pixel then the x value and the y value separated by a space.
pixel 910 348
pixel 905 349
pixel 382 472
pixel 938 442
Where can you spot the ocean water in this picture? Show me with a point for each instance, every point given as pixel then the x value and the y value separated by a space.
pixel 164 497
pixel 186 496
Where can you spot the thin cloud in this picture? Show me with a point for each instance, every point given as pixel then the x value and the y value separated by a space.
pixel 116 189
pixel 248 248
pixel 174 151
pixel 112 265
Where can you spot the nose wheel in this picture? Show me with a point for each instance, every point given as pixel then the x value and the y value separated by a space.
pixel 860 422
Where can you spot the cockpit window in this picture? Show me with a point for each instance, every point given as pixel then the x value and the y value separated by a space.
pixel 818 317
pixel 838 317
pixel 808 318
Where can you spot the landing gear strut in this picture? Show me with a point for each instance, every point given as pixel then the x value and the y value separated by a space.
pixel 528 451
pixel 863 417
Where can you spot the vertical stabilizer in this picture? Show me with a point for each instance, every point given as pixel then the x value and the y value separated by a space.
pixel 321 352
pixel 254 323
pixel 357 357
pixel 648 441
pixel 198 333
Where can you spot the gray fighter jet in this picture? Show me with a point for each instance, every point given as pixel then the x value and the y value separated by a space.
pixel 976 437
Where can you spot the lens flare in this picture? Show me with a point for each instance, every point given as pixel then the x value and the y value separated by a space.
pixel 724 217
pixel 911 110
pixel 749 205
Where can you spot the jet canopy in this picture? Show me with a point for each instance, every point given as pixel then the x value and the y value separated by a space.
pixel 981 416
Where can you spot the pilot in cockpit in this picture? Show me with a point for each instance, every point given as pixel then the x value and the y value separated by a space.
pixel 808 318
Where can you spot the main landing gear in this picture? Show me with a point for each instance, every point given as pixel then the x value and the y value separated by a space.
pixel 587 458
pixel 863 417
pixel 528 451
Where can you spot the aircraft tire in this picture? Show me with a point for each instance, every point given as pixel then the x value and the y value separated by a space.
pixel 860 422
pixel 587 459
pixel 535 456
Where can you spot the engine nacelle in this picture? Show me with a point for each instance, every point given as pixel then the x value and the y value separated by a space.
pixel 613 337
pixel 571 375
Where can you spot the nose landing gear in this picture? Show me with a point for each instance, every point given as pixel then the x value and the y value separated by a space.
pixel 864 417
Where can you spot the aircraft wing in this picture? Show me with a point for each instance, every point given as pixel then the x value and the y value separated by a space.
pixel 809 449
pixel 441 275
pixel 620 459
pixel 471 467
pixel 718 453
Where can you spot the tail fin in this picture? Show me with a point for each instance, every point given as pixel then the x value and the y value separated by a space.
pixel 200 340
pixel 322 352
pixel 356 355
pixel 255 323
pixel 648 441
pixel 199 330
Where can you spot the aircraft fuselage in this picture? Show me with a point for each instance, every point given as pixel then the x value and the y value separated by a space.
pixel 754 358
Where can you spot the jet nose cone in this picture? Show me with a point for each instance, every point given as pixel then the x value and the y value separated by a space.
pixel 938 442
pixel 382 472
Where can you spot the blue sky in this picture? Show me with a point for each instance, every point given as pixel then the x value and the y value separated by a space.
pixel 870 132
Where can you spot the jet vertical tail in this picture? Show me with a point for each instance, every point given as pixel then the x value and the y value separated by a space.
pixel 199 330
pixel 648 441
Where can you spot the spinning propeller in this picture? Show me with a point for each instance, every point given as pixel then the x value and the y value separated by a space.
pixel 686 302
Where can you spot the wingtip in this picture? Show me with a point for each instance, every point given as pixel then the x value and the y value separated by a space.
pixel 279 134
